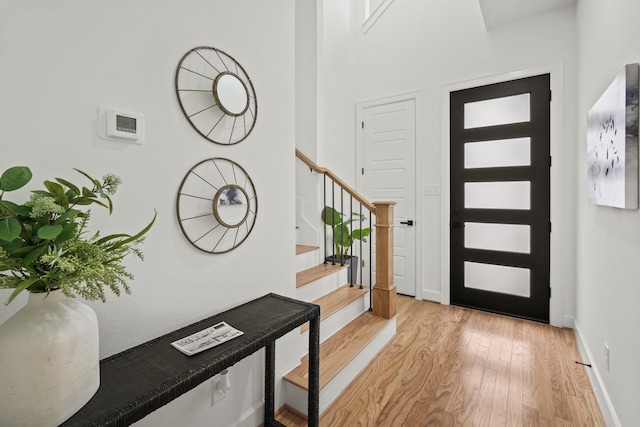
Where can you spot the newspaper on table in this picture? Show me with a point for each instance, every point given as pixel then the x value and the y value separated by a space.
pixel 206 339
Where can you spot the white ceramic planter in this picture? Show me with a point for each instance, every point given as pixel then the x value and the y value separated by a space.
pixel 49 361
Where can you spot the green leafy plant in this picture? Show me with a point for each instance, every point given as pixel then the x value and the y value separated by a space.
pixel 44 243
pixel 344 232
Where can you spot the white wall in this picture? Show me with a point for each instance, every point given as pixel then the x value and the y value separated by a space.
pixel 425 46
pixel 306 76
pixel 337 74
pixel 325 126
pixel 307 198
pixel 60 60
pixel 608 241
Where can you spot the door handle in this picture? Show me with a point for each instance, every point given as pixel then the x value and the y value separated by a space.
pixel 408 222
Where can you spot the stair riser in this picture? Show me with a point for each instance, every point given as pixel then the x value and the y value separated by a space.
pixel 296 397
pixel 338 320
pixel 307 260
pixel 323 286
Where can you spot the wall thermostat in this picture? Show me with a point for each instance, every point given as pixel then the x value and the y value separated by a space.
pixel 119 125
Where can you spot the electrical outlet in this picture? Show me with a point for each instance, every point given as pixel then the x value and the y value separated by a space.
pixel 214 383
pixel 606 356
pixel 221 386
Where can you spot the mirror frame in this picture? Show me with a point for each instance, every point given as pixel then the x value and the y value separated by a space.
pixel 205 183
pixel 197 74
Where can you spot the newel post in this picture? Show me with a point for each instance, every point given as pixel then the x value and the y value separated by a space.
pixel 384 291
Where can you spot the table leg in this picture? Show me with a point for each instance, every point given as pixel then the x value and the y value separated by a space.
pixel 313 405
pixel 269 383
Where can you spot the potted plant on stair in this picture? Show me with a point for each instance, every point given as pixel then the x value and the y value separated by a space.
pixel 343 233
pixel 49 359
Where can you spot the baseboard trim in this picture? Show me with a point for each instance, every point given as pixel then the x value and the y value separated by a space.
pixel 604 401
pixel 568 321
pixel 252 416
pixel 431 295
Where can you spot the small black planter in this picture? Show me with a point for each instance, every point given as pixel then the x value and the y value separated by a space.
pixel 350 261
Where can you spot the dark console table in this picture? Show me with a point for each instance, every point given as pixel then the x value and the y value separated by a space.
pixel 140 380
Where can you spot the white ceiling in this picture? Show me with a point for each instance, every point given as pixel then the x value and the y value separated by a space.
pixel 499 12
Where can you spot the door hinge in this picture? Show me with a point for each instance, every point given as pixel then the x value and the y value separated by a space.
pixel 363 125
pixel 362 171
pixel 549 226
pixel 550 95
pixel 549 292
pixel 550 161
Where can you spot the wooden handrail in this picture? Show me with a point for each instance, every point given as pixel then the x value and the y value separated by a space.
pixel 353 193
pixel 383 303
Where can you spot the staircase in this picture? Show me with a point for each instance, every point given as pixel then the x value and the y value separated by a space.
pixel 350 334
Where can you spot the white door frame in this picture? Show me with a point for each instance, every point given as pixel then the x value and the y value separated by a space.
pixel 360 107
pixel 556 278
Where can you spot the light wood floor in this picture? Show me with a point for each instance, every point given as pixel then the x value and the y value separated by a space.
pixel 449 366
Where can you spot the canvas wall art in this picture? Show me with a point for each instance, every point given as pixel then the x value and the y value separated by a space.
pixel 612 143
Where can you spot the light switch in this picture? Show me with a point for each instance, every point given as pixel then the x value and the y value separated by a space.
pixel 431 190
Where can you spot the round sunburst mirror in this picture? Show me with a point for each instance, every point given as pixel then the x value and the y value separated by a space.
pixel 217 205
pixel 216 95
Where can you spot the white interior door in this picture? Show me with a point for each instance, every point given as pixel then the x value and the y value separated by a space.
pixel 388 172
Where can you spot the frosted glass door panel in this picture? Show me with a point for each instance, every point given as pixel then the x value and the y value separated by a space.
pixel 500 153
pixel 498 237
pixel 497 111
pixel 497 195
pixel 497 278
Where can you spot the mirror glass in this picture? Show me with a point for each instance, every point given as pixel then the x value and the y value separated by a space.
pixel 231 94
pixel 230 206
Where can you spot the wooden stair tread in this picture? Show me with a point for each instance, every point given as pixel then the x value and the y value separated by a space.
pixel 300 249
pixel 338 350
pixel 288 416
pixel 314 273
pixel 335 300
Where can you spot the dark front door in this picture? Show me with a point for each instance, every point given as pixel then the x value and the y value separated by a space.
pixel 500 185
